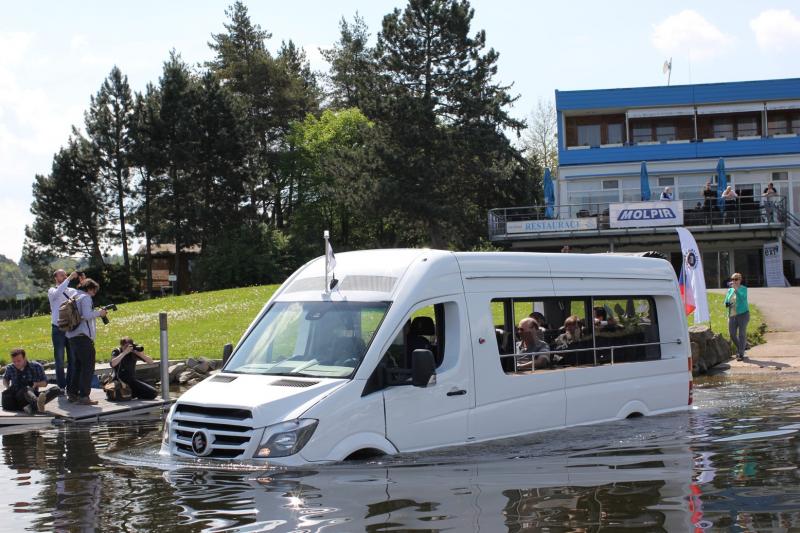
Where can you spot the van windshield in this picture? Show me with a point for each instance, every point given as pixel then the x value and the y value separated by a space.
pixel 317 339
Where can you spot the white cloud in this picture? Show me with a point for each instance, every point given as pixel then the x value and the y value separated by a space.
pixel 13 46
pixel 776 30
pixel 688 32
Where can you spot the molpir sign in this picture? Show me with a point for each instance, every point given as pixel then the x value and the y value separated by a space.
pixel 645 214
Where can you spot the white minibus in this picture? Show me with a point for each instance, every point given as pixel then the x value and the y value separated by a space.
pixel 412 349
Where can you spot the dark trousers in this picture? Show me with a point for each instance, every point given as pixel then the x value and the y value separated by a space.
pixel 16 398
pixel 737 327
pixel 139 389
pixel 84 354
pixel 61 349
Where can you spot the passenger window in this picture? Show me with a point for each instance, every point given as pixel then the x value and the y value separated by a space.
pixel 539 334
pixel 629 325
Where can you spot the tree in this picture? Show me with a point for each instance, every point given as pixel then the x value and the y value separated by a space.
pixel 108 124
pixel 445 118
pixel 149 161
pixel 178 141
pixel 353 70
pixel 70 216
pixel 541 137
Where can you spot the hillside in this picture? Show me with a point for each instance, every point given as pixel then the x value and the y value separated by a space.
pixel 12 280
pixel 199 324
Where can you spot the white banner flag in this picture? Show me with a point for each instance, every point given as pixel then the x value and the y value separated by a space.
pixel 692 279
pixel 331 259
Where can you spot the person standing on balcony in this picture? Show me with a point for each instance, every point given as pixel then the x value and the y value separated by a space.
pixel 770 196
pixel 666 194
pixel 738 314
pixel 730 196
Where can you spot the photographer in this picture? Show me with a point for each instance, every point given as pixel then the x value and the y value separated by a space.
pixel 123 361
pixel 81 342
pixel 738 314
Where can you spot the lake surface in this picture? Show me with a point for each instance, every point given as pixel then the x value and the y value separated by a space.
pixel 731 463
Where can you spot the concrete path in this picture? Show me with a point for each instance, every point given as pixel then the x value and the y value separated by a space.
pixel 781 310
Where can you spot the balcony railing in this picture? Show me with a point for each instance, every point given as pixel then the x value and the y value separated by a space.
pixel 706 212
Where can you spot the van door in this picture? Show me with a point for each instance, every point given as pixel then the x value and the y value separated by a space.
pixel 509 402
pixel 418 418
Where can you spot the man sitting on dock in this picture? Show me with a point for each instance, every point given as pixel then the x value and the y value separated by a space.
pixel 23 379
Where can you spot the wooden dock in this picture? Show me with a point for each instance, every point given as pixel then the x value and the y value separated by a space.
pixel 60 409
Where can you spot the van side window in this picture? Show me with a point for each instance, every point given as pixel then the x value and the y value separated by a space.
pixel 424 330
pixel 621 322
pixel 573 331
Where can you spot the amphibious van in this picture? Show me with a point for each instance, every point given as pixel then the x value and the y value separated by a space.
pixel 407 350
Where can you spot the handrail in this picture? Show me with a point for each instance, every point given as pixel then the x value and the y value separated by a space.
pixel 583 350
pixel 706 212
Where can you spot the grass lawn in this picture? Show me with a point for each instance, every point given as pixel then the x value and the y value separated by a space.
pixel 199 324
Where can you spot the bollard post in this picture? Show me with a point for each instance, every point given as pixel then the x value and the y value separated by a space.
pixel 162 322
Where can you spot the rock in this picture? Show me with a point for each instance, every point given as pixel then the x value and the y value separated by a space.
pixel 187 376
pixel 175 371
pixel 708 349
pixel 191 362
pixel 202 366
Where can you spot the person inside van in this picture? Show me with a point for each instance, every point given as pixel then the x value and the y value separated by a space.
pixel 530 344
pixel 572 333
pixel 603 322
pixel 539 318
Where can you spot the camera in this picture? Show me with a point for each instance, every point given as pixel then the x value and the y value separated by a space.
pixel 138 348
pixel 109 307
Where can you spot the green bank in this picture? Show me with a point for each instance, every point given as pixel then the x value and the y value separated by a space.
pixel 201 323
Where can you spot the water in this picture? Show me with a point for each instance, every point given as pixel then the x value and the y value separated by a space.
pixel 730 464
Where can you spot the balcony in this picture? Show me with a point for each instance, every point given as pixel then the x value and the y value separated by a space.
pixel 595 219
pixel 680 133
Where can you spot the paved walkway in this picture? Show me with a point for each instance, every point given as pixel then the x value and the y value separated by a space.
pixel 781 310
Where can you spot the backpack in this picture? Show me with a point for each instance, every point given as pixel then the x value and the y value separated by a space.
pixel 68 315
pixel 117 391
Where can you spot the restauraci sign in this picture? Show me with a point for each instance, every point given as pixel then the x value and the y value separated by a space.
pixel 551 225
pixel 645 214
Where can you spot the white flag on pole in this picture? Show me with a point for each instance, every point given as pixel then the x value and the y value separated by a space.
pixel 331 259
pixel 692 280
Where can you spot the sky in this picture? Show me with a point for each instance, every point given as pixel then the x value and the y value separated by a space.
pixel 54 55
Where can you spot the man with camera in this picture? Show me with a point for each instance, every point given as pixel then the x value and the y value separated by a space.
pixel 81 341
pixel 58 295
pixel 123 361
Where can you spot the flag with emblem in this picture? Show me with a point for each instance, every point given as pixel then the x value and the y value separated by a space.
pixel 692 282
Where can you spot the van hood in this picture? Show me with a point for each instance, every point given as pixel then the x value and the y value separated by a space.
pixel 271 399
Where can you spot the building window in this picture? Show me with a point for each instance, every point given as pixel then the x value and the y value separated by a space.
pixel 723 127
pixel 780 176
pixel 589 135
pixel 795 125
pixel 642 133
pixel 746 126
pixel 665 132
pixel 778 125
pixel 666 182
pixel 615 133
pixel 610 184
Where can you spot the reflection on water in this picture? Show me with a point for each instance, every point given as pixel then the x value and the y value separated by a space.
pixel 729 464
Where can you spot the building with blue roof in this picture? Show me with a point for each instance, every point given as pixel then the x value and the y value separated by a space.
pixel 681 135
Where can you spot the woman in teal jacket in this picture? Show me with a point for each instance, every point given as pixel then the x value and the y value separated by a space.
pixel 738 314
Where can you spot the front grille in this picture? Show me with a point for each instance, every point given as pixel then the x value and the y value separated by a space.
pixel 214 412
pixel 229 430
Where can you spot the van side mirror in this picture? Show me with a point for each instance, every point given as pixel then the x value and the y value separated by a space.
pixel 423 368
pixel 227 350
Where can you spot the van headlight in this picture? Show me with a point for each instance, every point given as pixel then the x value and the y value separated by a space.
pixel 286 438
pixel 165 432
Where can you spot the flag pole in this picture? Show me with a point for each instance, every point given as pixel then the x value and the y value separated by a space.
pixel 326 235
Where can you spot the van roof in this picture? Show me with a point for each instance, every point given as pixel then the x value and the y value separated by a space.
pixel 376 273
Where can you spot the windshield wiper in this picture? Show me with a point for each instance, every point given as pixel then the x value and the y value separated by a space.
pixel 296 374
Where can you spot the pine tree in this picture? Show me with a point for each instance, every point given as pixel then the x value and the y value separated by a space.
pixel 108 124
pixel 70 217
